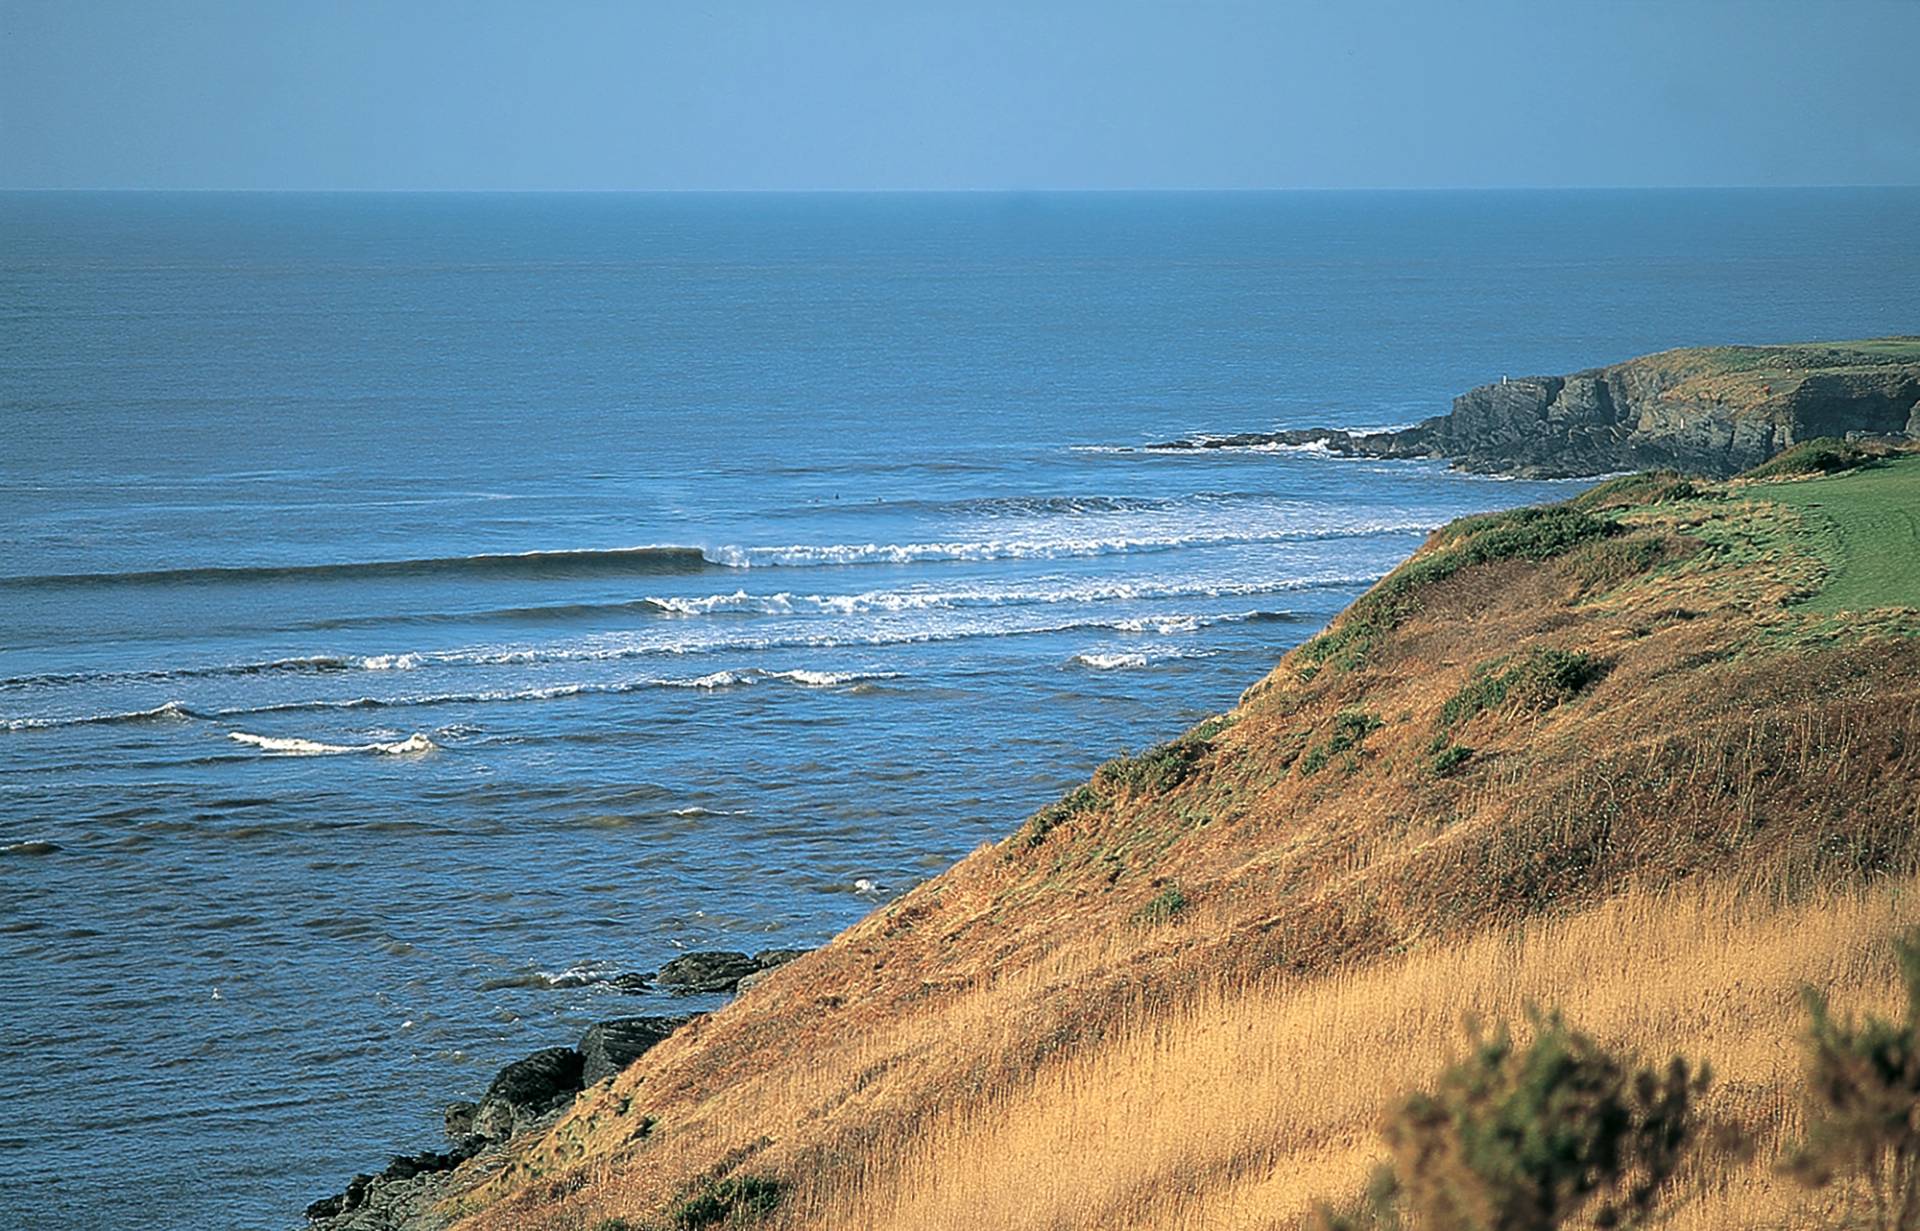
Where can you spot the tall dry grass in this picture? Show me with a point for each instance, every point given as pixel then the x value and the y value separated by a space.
pixel 1247 1105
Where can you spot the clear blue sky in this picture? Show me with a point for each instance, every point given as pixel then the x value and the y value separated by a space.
pixel 956 94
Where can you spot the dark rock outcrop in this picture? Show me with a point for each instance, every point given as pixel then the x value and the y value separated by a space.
pixel 720 970
pixel 1714 411
pixel 528 1089
pixel 710 971
pixel 609 1047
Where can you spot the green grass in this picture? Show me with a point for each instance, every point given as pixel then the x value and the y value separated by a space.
pixel 1867 529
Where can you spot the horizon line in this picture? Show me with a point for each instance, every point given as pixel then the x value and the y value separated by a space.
pixel 956 192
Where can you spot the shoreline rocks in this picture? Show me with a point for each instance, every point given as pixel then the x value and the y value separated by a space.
pixel 719 970
pixel 529 1095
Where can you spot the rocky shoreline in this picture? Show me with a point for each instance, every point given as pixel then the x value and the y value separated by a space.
pixel 1711 411
pixel 529 1096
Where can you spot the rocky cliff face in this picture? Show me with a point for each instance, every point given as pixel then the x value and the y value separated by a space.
pixel 1713 411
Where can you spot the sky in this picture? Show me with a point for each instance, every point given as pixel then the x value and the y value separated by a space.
pixel 973 95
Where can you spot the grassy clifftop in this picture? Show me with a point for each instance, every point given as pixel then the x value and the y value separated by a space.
pixel 1652 756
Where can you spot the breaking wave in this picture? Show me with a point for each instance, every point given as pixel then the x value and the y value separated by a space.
pixel 1123 660
pixel 805 555
pixel 889 601
pixel 413 745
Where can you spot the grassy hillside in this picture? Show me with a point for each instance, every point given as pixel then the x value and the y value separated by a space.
pixel 1643 757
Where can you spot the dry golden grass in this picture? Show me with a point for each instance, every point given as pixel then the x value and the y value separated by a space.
pixel 1010 1045
pixel 1246 1106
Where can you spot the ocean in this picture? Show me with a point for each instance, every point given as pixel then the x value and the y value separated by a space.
pixel 417 610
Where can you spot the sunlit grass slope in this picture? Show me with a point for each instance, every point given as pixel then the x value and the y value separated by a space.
pixel 1608 757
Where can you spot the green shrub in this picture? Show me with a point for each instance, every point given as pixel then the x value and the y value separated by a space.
pixel 1163 907
pixel 1350 730
pixel 1059 812
pixel 1158 769
pixel 1543 678
pixel 1447 758
pixel 1537 1137
pixel 1212 727
pixel 1827 455
pixel 738 1200
pixel 1863 1102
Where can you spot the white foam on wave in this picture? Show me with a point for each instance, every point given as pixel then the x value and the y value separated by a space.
pixel 1111 662
pixel 889 602
pixel 829 679
pixel 389 662
pixel 1131 659
pixel 803 554
pixel 413 745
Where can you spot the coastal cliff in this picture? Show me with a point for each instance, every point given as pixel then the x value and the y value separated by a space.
pixel 1712 411
pixel 1651 756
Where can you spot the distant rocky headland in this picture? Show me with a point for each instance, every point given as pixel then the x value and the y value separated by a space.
pixel 1711 411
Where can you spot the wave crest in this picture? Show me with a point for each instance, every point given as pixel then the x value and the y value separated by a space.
pixel 413 745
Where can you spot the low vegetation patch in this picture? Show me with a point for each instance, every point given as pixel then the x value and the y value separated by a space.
pixel 1827 455
pixel 1602 565
pixel 1059 812
pixel 1163 907
pixel 1539 680
pixel 1647 487
pixel 1211 728
pixel 1445 758
pixel 1158 769
pixel 1518 534
pixel 733 1202
pixel 1350 731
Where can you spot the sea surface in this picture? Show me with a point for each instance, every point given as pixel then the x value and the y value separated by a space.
pixel 416 610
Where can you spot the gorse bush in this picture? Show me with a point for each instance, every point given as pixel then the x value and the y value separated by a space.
pixel 1445 758
pixel 734 1201
pixel 1863 1102
pixel 1163 907
pixel 1531 1138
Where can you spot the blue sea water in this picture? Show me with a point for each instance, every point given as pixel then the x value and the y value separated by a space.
pixel 416 609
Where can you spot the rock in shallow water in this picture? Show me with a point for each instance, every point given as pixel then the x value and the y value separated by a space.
pixel 713 971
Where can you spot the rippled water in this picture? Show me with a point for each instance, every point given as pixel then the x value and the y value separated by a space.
pixel 415 610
